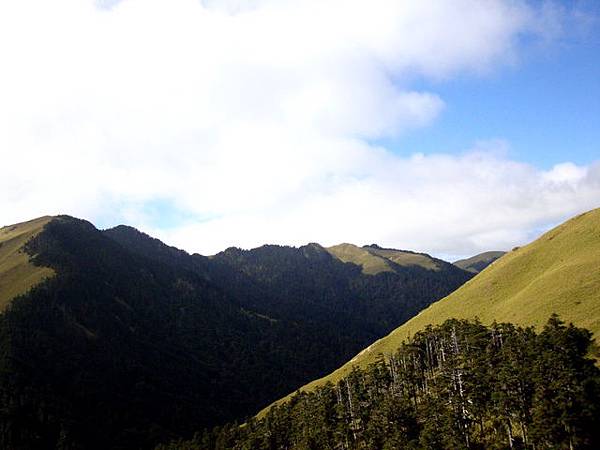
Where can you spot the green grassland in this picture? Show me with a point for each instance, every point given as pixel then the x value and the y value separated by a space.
pixel 374 260
pixel 557 273
pixel 17 273
pixel 371 264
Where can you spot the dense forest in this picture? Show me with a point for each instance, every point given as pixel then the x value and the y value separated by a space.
pixel 134 343
pixel 460 385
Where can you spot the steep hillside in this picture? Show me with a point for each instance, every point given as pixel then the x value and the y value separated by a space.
pixel 309 283
pixel 557 273
pixel 17 273
pixel 131 342
pixel 479 262
pixel 459 385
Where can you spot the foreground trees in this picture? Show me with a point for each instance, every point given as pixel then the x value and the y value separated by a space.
pixel 460 385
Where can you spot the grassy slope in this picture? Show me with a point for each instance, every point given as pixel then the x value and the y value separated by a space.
pixel 406 258
pixel 559 272
pixel 371 264
pixel 17 274
pixel 471 264
pixel 374 260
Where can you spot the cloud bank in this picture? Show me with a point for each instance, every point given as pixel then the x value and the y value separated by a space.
pixel 221 123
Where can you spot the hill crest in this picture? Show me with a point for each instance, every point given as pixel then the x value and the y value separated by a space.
pixel 374 259
pixel 477 263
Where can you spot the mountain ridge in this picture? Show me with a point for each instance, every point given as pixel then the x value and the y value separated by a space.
pixel 479 262
pixel 127 323
pixel 375 259
pixel 557 273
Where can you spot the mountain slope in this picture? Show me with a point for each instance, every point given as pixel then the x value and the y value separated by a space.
pixel 17 273
pixel 374 259
pixel 557 273
pixel 132 342
pixel 370 263
pixel 405 258
pixel 309 283
pixel 479 262
pixel 460 385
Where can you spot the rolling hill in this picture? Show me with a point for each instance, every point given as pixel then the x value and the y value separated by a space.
pixel 112 339
pixel 479 262
pixel 557 273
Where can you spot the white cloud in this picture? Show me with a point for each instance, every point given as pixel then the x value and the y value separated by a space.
pixel 253 120
pixel 448 205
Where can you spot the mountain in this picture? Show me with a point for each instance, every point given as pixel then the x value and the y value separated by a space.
pixel 459 385
pixel 489 366
pixel 112 339
pixel 479 262
pixel 17 273
pixel 314 283
pixel 374 259
pixel 558 273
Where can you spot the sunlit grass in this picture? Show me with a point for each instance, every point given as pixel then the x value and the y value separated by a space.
pixel 374 260
pixel 17 273
pixel 557 273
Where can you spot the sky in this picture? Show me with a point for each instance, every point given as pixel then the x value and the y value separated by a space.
pixel 444 126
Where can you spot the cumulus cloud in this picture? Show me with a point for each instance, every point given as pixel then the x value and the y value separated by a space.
pixel 448 205
pixel 253 121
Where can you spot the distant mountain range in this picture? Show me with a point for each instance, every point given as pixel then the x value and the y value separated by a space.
pixel 112 339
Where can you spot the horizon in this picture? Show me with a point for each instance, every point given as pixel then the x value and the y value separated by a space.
pixel 447 258
pixel 441 127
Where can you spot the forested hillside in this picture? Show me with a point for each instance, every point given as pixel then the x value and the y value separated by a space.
pixel 310 282
pixel 130 342
pixel 557 273
pixel 459 385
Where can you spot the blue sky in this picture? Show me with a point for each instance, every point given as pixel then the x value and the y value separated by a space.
pixel 445 126
pixel 546 106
